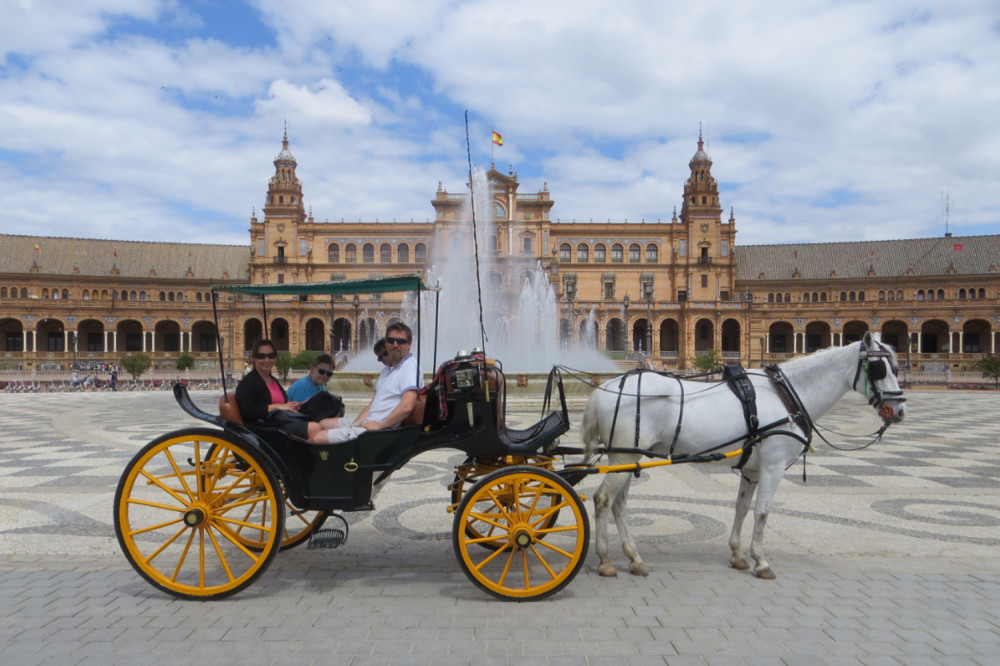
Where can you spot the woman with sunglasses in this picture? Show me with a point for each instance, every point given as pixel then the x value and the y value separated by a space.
pixel 260 393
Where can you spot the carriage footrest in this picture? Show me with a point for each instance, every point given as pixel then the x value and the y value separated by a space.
pixel 370 506
pixel 330 538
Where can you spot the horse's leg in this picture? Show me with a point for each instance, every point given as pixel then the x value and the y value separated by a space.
pixel 611 487
pixel 766 488
pixel 618 506
pixel 737 561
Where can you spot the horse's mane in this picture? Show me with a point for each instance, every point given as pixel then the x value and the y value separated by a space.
pixel 819 352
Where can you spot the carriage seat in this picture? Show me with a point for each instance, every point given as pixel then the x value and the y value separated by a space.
pixel 228 409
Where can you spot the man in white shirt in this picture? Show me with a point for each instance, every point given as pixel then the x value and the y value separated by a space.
pixel 395 391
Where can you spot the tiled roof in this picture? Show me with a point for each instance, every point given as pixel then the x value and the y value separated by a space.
pixel 133 259
pixel 969 255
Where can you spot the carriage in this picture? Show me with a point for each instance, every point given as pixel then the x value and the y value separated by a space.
pixel 201 512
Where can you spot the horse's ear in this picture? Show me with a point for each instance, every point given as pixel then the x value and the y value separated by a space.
pixel 869 339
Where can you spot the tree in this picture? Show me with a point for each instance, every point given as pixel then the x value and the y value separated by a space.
pixel 708 361
pixel 989 365
pixel 282 365
pixel 136 364
pixel 304 359
pixel 185 360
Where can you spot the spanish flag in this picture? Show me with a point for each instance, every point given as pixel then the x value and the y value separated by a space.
pixel 38 249
pixel 497 139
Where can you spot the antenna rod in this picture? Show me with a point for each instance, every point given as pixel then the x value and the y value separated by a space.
pixel 475 236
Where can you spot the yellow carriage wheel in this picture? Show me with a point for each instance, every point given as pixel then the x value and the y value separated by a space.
pixel 537 538
pixel 473 469
pixel 198 514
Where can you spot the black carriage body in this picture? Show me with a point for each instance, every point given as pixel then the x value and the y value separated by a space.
pixel 339 477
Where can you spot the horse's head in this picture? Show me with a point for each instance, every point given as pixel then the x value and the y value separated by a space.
pixel 876 377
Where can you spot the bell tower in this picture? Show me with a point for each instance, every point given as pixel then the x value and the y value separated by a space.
pixel 709 257
pixel 276 241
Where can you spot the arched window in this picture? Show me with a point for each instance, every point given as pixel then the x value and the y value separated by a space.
pixel 351 253
pixel 982 292
pixel 805 297
pixel 163 296
pixel 420 253
pixel 652 253
pixel 494 246
pixel 333 253
pixel 170 296
pixel 565 252
pixel 961 294
pixel 843 297
pixel 582 253
pixel 920 294
pixel 85 296
pixel 385 253
pixel 142 295
pixel 779 298
pixel 133 296
pixel 197 297
pixel 617 253
pixel 403 253
pixel 899 295
pixel 861 295
pixel 940 294
pixel 24 292
pixel 3 292
pixel 45 294
pixel 634 253
pixel 822 297
pixel 770 298
pixel 881 294
pixel 600 255
pixel 368 254
pixel 124 295
pixel 930 294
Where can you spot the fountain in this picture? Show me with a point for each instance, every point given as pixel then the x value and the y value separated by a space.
pixel 519 306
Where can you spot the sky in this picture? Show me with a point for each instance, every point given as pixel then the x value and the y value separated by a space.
pixel 827 120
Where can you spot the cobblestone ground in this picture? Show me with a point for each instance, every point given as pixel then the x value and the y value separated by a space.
pixel 885 555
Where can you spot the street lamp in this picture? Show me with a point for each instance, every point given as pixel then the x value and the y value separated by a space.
pixel 762 351
pixel 357 303
pixel 570 297
pixel 647 288
pixel 626 302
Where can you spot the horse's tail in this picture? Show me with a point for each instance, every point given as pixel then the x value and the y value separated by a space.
pixel 590 435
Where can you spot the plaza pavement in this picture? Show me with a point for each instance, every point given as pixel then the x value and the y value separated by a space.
pixel 886 555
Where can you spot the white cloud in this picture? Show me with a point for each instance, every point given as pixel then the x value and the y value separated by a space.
pixel 885 103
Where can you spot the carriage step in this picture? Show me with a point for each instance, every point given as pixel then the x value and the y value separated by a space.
pixel 370 506
pixel 330 538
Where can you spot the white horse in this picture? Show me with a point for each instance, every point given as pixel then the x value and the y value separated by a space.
pixel 679 418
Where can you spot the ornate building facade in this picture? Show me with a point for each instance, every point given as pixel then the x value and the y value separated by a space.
pixel 671 290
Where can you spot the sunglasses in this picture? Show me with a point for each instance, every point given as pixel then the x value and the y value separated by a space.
pixel 396 341
pixel 263 356
pixel 325 373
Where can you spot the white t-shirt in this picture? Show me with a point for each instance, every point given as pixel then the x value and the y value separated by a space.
pixel 392 384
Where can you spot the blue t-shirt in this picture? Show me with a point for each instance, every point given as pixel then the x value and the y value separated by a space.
pixel 302 390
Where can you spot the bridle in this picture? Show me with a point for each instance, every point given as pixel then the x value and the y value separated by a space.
pixel 875 364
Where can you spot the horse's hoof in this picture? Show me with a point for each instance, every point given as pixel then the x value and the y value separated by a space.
pixel 638 569
pixel 765 574
pixel 607 570
pixel 739 564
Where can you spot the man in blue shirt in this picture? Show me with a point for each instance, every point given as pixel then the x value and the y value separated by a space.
pixel 314 382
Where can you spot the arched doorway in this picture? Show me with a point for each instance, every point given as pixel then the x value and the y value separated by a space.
pixel 934 337
pixel 704 335
pixel 129 336
pixel 779 338
pixel 854 331
pixel 614 335
pixel 670 339
pixel 976 337
pixel 641 335
pixel 315 335
pixel 204 337
pixel 732 337
pixel 896 333
pixel 818 336
pixel 279 334
pixel 341 334
pixel 253 330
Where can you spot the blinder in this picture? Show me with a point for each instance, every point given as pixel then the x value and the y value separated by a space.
pixel 875 364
